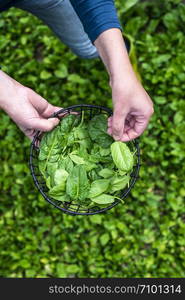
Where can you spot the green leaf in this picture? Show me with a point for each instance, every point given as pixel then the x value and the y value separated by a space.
pixel 49 147
pixel 104 239
pixel 119 183
pixel 103 199
pixel 89 166
pixel 77 186
pixel 57 190
pixel 66 164
pixel 72 269
pixel 106 173
pixel 97 128
pixel 98 187
pixel 104 152
pixel 67 123
pixel 62 72
pixel 122 156
pixel 77 159
pixel 160 100
pixel 45 75
pixel 60 196
pixel 61 270
pixel 76 79
pixel 127 4
pixel 60 176
pixel 48 182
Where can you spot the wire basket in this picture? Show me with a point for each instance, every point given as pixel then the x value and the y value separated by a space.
pixel 70 207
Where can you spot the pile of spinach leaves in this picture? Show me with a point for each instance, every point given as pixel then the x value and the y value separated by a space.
pixel 80 162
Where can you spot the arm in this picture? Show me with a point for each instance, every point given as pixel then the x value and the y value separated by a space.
pixel 26 108
pixel 132 105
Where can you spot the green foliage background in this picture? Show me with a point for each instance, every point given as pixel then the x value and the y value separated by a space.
pixel 144 237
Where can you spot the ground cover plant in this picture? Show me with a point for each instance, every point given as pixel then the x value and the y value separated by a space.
pixel 145 236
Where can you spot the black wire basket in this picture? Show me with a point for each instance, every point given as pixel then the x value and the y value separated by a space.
pixel 70 207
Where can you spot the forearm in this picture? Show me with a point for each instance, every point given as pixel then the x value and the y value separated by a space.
pixel 113 52
pixel 5 88
pixel 8 91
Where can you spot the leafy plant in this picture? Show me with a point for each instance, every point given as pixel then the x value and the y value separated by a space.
pixel 67 168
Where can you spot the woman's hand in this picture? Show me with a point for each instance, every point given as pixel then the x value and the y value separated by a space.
pixel 25 107
pixel 132 110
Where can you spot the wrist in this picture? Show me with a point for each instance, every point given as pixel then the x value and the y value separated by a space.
pixel 9 91
pixel 125 81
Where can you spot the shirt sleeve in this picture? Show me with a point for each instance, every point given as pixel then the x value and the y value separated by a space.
pixel 96 16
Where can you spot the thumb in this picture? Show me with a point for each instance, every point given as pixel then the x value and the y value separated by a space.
pixel 118 123
pixel 44 124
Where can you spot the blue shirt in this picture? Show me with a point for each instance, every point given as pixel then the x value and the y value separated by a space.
pixel 95 15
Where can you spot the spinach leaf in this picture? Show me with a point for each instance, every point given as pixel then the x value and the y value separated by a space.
pixel 122 173
pixel 122 156
pixel 51 168
pixel 58 194
pixel 77 159
pixel 98 187
pixel 63 198
pixel 119 183
pixel 81 132
pixel 48 182
pixel 67 123
pixel 57 182
pixel 49 148
pixel 96 157
pixel 60 176
pixel 97 128
pixel 92 175
pixel 42 168
pixel 77 186
pixel 103 199
pixel 106 173
pixel 86 143
pixel 104 152
pixel 90 166
pixel 66 163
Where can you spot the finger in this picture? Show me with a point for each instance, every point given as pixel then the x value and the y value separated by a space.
pixel 131 121
pixel 56 109
pixel 118 123
pixel 131 134
pixel 43 107
pixel 30 133
pixel 110 120
pixel 43 124
pixel 127 125
pixel 39 103
pixel 109 125
pixel 136 130
pixel 109 131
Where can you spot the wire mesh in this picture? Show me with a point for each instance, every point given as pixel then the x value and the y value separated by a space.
pixel 70 207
